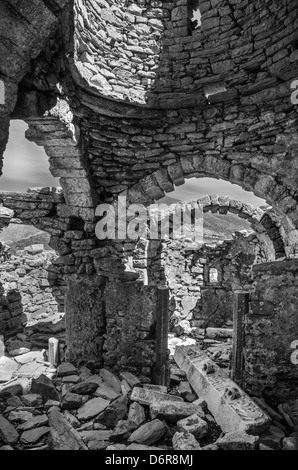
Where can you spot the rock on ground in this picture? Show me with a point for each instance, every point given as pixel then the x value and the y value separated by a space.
pixel 8 433
pixel 185 441
pixel 148 433
pixel 238 441
pixel 193 424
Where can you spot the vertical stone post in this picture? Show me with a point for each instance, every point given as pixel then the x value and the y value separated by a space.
pixel 161 369
pixel 241 306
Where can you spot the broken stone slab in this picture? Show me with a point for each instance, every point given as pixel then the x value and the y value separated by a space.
pixel 131 379
pixel 125 387
pixel 32 369
pixel 8 433
pixel 71 401
pixel 36 422
pixel 89 436
pixel 147 397
pixel 34 435
pixel 66 369
pixel 29 357
pixel 136 414
pixel 272 437
pixel 185 441
pixel 6 448
pixel 111 380
pixel 62 435
pixel 98 445
pixel 43 386
pixel 238 441
pixel 141 447
pixel 172 412
pixel 220 333
pixel 71 379
pixel 32 400
pixel 290 443
pixel 231 407
pixel 84 388
pixel 94 379
pixel 73 421
pixel 18 348
pixel 115 412
pixel 156 388
pixel 122 431
pixel 92 408
pixel 148 433
pixel 11 390
pixel 7 368
pixel 15 402
pixel 193 424
pixel 116 447
pixel 104 391
pixel 19 416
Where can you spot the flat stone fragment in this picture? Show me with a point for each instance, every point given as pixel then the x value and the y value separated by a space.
pixel 71 379
pixel 240 414
pixel 185 441
pixel 8 433
pixel 290 443
pixel 89 436
pixel 193 424
pixel 32 369
pixel 94 379
pixel 36 422
pixel 11 390
pixel 115 447
pixel 107 392
pixel 238 441
pixel 71 401
pixel 32 400
pixel 7 368
pixel 66 369
pixel 98 445
pixel 136 414
pixel 122 431
pixel 131 379
pixel 272 437
pixel 140 447
pixel 6 448
pixel 34 435
pixel 172 412
pixel 147 397
pixel 29 357
pixel 220 333
pixel 116 411
pixel 19 416
pixel 156 388
pixel 84 388
pixel 111 380
pixel 62 435
pixel 92 408
pixel 44 386
pixel 149 433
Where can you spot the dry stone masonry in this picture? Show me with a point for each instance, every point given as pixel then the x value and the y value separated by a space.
pixel 131 98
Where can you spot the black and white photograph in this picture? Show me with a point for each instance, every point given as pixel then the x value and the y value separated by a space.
pixel 148 229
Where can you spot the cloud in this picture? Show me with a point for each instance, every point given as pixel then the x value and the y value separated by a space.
pixel 25 164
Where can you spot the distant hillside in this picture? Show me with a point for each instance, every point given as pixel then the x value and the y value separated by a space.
pixel 19 236
pixel 216 227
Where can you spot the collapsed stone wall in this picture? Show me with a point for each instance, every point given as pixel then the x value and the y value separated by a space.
pixel 196 301
pixel 32 286
pixel 271 327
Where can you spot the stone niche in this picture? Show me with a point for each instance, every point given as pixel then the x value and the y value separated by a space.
pixel 271 328
pixel 196 300
pixel 32 286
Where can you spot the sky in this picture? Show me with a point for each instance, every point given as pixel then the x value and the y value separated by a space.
pixel 26 165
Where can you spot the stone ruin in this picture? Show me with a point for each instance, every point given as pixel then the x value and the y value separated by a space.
pixel 129 98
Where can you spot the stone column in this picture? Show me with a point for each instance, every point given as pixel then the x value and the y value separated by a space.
pixel 241 305
pixel 85 319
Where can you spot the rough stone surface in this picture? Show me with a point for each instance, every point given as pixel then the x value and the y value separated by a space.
pixel 238 441
pixel 148 433
pixel 185 441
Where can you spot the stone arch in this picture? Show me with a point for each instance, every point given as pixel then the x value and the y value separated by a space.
pixel 153 187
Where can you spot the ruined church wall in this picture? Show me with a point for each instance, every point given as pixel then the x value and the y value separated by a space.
pixel 195 302
pixel 32 286
pixel 270 329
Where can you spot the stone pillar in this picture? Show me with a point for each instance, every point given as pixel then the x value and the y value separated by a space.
pixel 85 319
pixel 161 369
pixel 241 305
